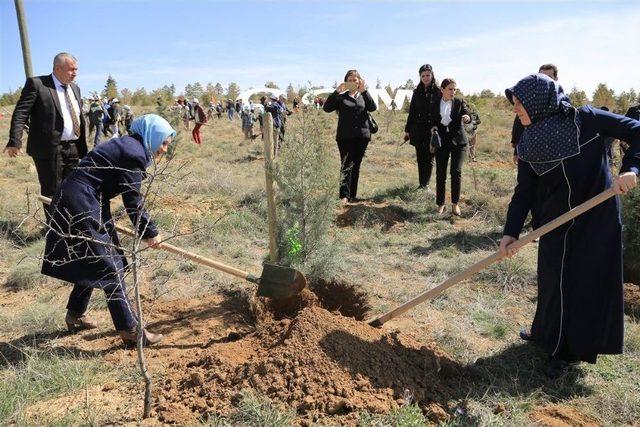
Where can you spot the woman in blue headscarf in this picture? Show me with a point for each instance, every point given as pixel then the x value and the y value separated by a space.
pixel 82 246
pixel 562 162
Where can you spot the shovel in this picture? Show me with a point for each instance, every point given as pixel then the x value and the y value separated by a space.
pixel 480 265
pixel 274 282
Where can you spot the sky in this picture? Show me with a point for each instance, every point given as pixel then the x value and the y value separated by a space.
pixel 481 44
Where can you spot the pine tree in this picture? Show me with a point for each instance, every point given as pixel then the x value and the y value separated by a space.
pixel 271 85
pixel 233 91
pixel 291 92
pixel 604 97
pixel 577 97
pixel 110 88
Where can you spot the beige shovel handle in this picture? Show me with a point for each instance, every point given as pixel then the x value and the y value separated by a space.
pixel 482 264
pixel 176 250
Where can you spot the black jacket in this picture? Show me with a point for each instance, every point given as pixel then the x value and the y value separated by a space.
pixel 39 107
pixel 422 112
pixel 455 131
pixel 352 114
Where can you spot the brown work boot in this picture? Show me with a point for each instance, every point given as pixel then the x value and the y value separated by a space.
pixel 78 322
pixel 130 338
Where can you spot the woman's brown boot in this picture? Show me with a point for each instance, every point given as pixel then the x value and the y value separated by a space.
pixel 78 322
pixel 130 338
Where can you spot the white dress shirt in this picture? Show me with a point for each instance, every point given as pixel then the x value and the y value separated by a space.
pixel 67 133
pixel 445 111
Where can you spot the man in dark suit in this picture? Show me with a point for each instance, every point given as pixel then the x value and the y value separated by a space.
pixel 51 109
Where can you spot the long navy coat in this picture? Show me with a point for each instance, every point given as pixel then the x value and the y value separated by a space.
pixel 580 299
pixel 81 209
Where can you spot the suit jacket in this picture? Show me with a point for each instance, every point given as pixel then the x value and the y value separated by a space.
pixel 456 133
pixel 421 118
pixel 39 107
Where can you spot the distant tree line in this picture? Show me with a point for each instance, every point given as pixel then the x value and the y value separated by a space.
pixel 602 96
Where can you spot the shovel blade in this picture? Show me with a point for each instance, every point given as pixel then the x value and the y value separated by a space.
pixel 278 282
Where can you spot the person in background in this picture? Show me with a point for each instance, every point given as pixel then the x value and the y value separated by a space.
pixel 450 117
pixel 561 164
pixel 282 100
pixel 51 105
pixel 248 118
pixel 219 110
pixel 421 119
pixel 296 104
pixel 277 112
pixel 96 117
pixel 106 121
pixel 238 106
pixel 230 109
pixel 211 110
pixel 82 246
pixel 116 117
pixel 633 113
pixel 200 118
pixel 471 129
pixel 128 118
pixel 517 128
pixel 353 133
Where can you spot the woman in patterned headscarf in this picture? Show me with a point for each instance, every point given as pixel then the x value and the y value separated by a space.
pixel 562 163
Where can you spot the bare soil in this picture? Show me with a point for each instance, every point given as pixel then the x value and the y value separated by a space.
pixel 561 416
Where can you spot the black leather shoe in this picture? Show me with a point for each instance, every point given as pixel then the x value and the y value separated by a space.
pixel 525 335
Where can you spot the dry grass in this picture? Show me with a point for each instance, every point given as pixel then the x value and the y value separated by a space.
pixel 392 261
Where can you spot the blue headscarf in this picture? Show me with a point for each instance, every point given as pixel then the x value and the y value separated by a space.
pixel 153 129
pixel 554 132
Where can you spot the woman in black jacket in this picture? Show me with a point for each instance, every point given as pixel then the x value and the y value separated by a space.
pixel 450 115
pixel 353 133
pixel 421 119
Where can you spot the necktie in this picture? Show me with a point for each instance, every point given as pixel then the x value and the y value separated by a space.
pixel 72 110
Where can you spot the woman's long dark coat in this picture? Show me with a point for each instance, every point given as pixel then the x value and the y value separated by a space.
pixel 82 246
pixel 580 300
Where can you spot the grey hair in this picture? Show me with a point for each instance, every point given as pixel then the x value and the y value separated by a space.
pixel 60 58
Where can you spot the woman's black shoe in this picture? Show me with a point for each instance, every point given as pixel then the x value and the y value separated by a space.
pixel 526 335
pixel 556 368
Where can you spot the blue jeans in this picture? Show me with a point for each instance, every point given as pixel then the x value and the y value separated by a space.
pixel 96 138
pixel 230 113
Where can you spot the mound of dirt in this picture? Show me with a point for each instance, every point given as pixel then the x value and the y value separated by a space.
pixel 561 416
pixel 370 214
pixel 318 363
pixel 632 300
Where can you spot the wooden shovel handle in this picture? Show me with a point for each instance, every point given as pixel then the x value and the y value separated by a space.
pixel 482 264
pixel 178 251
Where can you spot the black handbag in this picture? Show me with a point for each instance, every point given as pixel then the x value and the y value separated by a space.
pixel 373 125
pixel 435 142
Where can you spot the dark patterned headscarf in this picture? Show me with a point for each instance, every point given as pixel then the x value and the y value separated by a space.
pixel 554 132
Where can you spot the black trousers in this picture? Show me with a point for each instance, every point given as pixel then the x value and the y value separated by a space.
pixel 52 170
pixel 351 153
pixel 425 161
pixel 117 302
pixel 457 154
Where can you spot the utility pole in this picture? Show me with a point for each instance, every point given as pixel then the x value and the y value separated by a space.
pixel 24 38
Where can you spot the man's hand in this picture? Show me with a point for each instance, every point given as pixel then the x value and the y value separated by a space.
pixel 13 151
pixel 625 182
pixel 152 242
pixel 466 119
pixel 504 243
